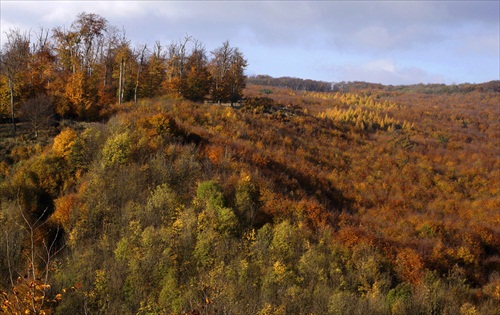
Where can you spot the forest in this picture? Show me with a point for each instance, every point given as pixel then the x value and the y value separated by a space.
pixel 158 179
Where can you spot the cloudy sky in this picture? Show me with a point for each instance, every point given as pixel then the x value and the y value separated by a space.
pixel 389 42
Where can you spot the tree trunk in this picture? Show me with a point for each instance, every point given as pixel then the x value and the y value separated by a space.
pixel 11 89
pixel 120 83
pixel 135 91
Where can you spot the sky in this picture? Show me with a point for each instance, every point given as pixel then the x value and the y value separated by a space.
pixel 388 42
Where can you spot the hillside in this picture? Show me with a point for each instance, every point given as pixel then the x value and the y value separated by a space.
pixel 374 201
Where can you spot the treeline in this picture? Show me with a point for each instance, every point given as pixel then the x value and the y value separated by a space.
pixel 308 85
pixel 85 69
pixel 295 84
pixel 487 87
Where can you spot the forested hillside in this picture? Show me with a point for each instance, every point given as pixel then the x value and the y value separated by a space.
pixel 126 193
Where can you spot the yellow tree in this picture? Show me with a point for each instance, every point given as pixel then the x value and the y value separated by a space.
pixel 155 72
pixel 79 51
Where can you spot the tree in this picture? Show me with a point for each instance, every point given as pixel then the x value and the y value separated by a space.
pixel 227 70
pixel 41 66
pixel 79 47
pixel 29 288
pixel 155 73
pixel 219 67
pixel 38 112
pixel 14 60
pixel 187 75
pixel 124 57
pixel 77 95
pixel 66 48
pixel 176 66
pixel 83 64
pixel 236 76
pixel 90 28
pixel 197 77
pixel 247 201
pixel 141 56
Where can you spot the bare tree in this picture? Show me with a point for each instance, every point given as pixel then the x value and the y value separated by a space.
pixel 29 289
pixel 176 64
pixel 141 56
pixel 38 113
pixel 123 57
pixel 227 70
pixel 42 62
pixel 90 28
pixel 219 67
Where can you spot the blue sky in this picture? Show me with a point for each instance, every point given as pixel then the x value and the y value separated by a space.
pixel 388 42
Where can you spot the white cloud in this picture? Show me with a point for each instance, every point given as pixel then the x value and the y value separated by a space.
pixel 384 65
pixel 386 71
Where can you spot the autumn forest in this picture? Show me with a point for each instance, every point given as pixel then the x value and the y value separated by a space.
pixel 160 179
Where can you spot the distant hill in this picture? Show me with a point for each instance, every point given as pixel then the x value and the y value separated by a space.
pixel 309 85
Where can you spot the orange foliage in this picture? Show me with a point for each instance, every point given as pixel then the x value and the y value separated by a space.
pixel 409 264
pixel 64 207
pixel 215 153
pixel 64 142
pixel 316 216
